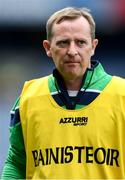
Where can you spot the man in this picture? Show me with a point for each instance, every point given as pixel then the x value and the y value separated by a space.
pixel 69 124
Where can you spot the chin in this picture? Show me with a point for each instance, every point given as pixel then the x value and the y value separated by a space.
pixel 71 75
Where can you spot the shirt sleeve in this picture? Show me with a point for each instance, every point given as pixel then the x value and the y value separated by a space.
pixel 15 164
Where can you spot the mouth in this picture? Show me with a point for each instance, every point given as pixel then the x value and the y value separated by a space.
pixel 71 62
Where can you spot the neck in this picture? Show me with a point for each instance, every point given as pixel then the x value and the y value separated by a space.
pixel 73 85
pixel 69 84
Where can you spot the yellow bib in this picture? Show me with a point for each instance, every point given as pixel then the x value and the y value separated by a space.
pixel 72 144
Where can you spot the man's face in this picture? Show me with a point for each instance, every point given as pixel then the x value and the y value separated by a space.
pixel 71 47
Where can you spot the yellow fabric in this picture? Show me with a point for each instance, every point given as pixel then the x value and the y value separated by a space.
pixel 72 144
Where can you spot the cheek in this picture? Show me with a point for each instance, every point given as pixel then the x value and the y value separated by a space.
pixel 58 54
pixel 87 52
pixel 54 52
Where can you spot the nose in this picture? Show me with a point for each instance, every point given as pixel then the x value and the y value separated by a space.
pixel 72 50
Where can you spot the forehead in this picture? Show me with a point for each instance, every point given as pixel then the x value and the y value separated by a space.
pixel 80 25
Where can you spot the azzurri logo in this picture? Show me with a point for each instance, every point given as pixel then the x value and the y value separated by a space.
pixel 76 121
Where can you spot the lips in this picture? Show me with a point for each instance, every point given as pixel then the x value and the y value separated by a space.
pixel 71 62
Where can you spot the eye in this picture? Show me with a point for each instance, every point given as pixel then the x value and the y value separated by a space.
pixel 81 43
pixel 62 43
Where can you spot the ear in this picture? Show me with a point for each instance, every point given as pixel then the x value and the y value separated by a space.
pixel 46 45
pixel 94 44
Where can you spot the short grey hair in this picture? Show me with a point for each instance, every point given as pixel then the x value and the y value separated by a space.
pixel 70 13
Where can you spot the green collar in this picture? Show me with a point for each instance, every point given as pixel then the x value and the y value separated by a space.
pixel 96 74
pixel 96 78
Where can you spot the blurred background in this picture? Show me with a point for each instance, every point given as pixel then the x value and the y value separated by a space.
pixel 22 29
